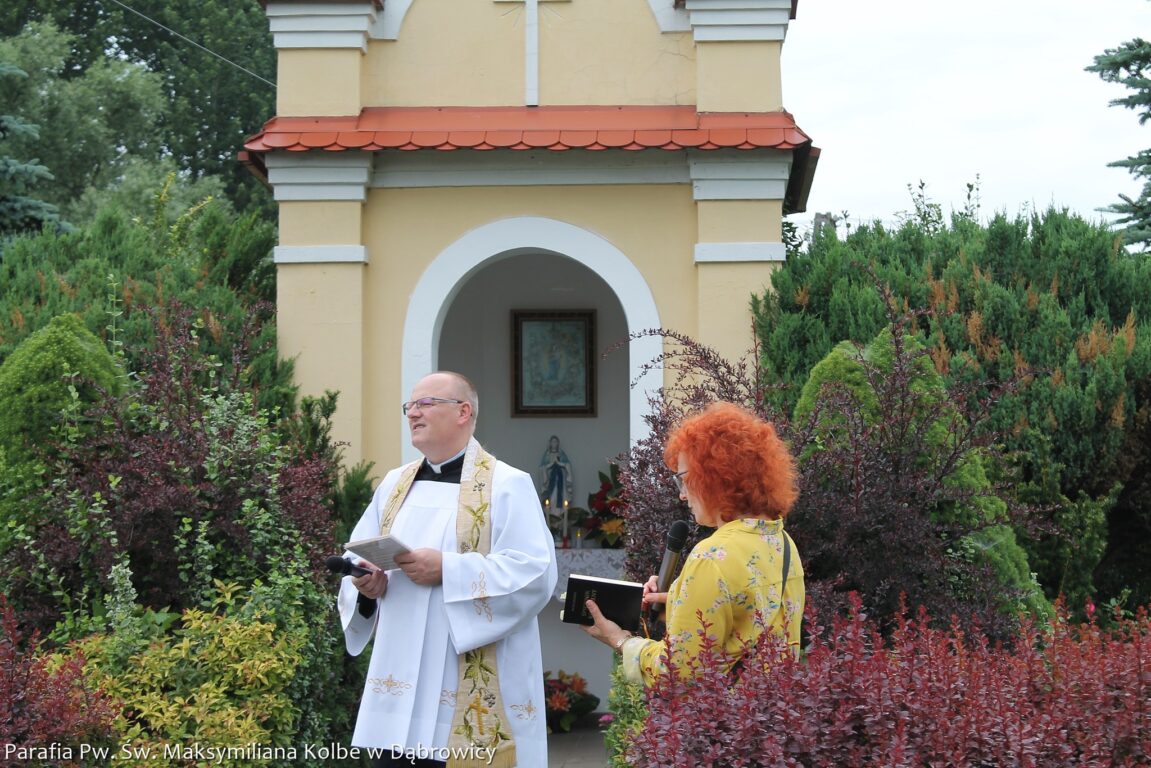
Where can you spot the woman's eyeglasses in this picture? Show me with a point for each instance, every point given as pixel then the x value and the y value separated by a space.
pixel 678 478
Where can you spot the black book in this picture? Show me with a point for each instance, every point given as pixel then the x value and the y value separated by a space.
pixel 620 601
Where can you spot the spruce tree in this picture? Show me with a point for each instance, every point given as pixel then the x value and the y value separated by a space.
pixel 19 210
pixel 1130 66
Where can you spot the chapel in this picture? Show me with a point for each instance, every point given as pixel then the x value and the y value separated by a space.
pixel 513 189
pixel 441 164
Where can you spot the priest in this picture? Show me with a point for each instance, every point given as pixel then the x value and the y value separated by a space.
pixel 456 673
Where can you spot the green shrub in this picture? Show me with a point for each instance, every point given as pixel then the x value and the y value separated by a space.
pixel 627 703
pixel 52 370
pixel 884 426
pixel 221 678
pixel 1048 298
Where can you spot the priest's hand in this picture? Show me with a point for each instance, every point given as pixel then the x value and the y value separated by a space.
pixel 373 585
pixel 423 566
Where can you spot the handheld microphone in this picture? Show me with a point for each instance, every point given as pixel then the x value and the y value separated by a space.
pixel 676 537
pixel 342 565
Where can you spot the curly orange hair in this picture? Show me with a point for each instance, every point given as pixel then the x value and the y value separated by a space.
pixel 739 466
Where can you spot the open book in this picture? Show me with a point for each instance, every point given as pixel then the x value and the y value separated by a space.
pixel 620 601
pixel 380 551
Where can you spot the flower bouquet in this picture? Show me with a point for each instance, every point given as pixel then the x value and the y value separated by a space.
pixel 567 700
pixel 605 522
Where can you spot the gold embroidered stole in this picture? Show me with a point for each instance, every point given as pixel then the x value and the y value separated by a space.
pixel 480 722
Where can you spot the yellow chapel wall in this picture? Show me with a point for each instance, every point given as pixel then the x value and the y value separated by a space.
pixel 479 59
pixel 481 62
pixel 653 225
pixel 311 81
pixel 346 321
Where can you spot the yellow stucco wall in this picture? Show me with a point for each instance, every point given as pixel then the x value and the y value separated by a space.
pixel 633 62
pixel 344 323
pixel 320 324
pixel 739 77
pixel 726 289
pixel 478 60
pixel 737 221
pixel 321 223
pixel 319 82
pixel 656 227
pixel 406 229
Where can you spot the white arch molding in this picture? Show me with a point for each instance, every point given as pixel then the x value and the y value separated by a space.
pixel 451 269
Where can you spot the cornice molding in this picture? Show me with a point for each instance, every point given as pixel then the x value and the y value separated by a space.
pixel 320 254
pixel 726 175
pixel 322 25
pixel 712 253
pixel 669 18
pixel 319 176
pixel 738 20
pixel 530 168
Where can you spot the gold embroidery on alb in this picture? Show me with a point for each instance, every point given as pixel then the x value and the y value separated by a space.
pixel 524 711
pixel 480 597
pixel 388 685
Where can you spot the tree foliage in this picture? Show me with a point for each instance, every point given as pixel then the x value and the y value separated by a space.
pixel 1047 299
pixel 180 476
pixel 198 52
pixel 19 177
pixel 109 271
pixel 91 124
pixel 1129 65
pixel 44 702
pixel 896 498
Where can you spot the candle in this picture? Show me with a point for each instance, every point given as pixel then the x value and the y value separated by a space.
pixel 565 522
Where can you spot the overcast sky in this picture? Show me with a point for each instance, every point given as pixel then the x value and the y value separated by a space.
pixel 900 91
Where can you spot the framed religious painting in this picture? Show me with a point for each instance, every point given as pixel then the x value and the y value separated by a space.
pixel 553 362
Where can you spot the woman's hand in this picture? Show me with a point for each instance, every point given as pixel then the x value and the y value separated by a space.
pixel 605 630
pixel 650 596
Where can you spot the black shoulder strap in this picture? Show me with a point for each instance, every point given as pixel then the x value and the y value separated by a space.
pixel 786 560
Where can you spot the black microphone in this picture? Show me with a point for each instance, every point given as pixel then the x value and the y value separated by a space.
pixel 676 538
pixel 342 565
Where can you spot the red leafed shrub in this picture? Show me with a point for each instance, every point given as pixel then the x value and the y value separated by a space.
pixel 183 478
pixel 1063 695
pixel 44 704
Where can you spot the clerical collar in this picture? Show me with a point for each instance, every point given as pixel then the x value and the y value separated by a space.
pixel 445 472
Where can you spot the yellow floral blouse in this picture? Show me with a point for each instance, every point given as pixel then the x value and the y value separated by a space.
pixel 727 577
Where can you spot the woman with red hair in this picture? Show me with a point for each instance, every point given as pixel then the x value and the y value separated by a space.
pixel 738 477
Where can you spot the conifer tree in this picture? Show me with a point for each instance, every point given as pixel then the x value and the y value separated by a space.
pixel 1130 66
pixel 19 210
pixel 1048 300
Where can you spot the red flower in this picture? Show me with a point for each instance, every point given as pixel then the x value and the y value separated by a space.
pixel 558 702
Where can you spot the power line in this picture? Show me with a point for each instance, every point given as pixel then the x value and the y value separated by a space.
pixel 193 42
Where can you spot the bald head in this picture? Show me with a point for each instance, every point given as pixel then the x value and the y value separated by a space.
pixel 463 389
pixel 442 427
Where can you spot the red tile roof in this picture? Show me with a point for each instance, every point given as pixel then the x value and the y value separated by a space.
pixel 552 128
pixel 556 129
